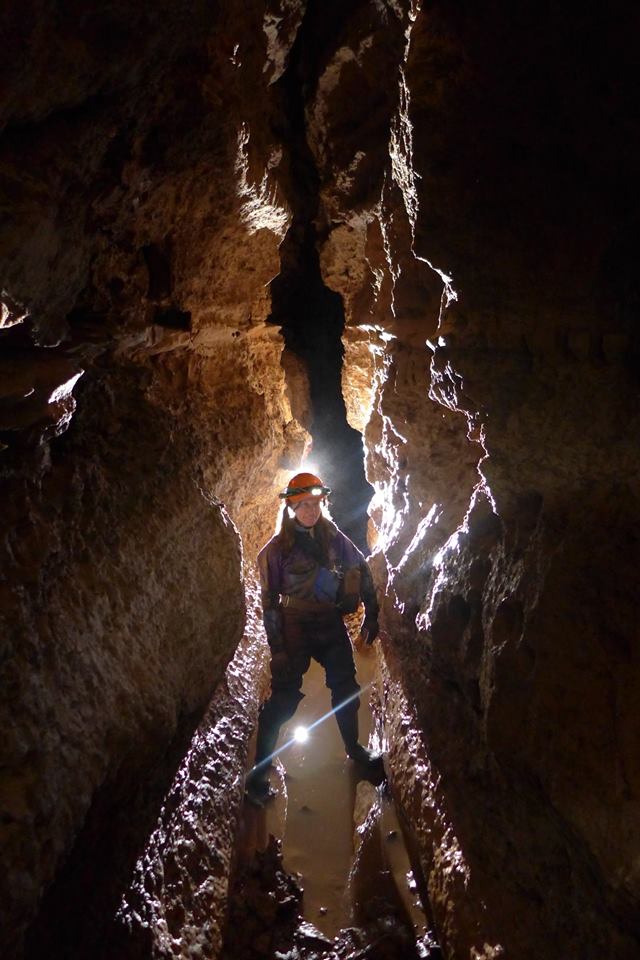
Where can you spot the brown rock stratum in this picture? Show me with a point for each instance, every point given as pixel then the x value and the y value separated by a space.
pixel 470 178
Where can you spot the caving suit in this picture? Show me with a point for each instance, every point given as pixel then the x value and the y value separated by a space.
pixel 304 597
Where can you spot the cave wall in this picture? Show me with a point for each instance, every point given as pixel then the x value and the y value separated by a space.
pixel 145 422
pixel 488 281
pixel 529 621
pixel 477 213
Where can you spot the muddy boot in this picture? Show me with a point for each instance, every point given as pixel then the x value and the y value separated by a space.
pixel 369 762
pixel 268 732
pixel 258 790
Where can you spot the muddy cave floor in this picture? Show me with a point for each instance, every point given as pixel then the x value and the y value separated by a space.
pixel 324 870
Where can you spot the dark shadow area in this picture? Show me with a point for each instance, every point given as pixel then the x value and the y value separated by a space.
pixel 140 756
pixel 77 914
pixel 310 314
pixel 617 295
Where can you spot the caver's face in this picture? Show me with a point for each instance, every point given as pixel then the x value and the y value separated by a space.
pixel 308 511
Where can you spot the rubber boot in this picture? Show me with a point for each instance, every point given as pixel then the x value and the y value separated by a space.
pixel 367 760
pixel 277 710
pixel 258 789
pixel 268 733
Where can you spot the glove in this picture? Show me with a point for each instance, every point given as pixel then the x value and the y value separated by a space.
pixel 369 630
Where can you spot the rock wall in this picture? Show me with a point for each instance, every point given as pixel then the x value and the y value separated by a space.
pixel 475 207
pixel 177 901
pixel 144 419
pixel 488 281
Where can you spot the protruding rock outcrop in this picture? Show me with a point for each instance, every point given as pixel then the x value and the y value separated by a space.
pixel 502 446
pixel 143 413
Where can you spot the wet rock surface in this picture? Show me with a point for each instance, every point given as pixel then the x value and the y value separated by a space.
pixel 176 898
pixel 266 920
pixel 505 468
pixel 470 193
pixel 140 389
pixel 495 421
pixel 264 908
pixel 339 851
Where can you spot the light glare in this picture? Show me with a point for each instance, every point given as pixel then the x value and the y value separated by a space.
pixel 310 466
pixel 301 734
pixel 316 723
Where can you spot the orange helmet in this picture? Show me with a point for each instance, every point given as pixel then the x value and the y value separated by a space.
pixel 304 485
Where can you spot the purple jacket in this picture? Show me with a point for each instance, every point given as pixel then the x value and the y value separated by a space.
pixel 303 573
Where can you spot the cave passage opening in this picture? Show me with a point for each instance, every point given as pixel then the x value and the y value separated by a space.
pixel 312 320
pixel 310 314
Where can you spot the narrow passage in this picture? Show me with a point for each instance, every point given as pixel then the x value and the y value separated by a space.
pixel 309 313
pixel 341 843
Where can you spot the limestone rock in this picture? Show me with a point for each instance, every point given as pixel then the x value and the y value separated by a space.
pixel 494 252
pixel 471 195
pixel 142 226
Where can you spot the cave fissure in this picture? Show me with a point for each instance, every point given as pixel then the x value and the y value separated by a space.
pixel 309 313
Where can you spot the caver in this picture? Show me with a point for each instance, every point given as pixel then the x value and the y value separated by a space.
pixel 311 575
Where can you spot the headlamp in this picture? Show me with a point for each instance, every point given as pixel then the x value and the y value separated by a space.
pixel 314 491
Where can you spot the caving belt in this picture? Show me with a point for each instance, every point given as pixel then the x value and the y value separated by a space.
pixel 349 583
pixel 310 606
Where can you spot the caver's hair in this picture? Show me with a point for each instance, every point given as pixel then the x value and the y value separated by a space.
pixel 323 532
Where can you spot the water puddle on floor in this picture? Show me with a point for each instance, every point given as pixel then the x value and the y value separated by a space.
pixel 321 787
pixel 321 801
